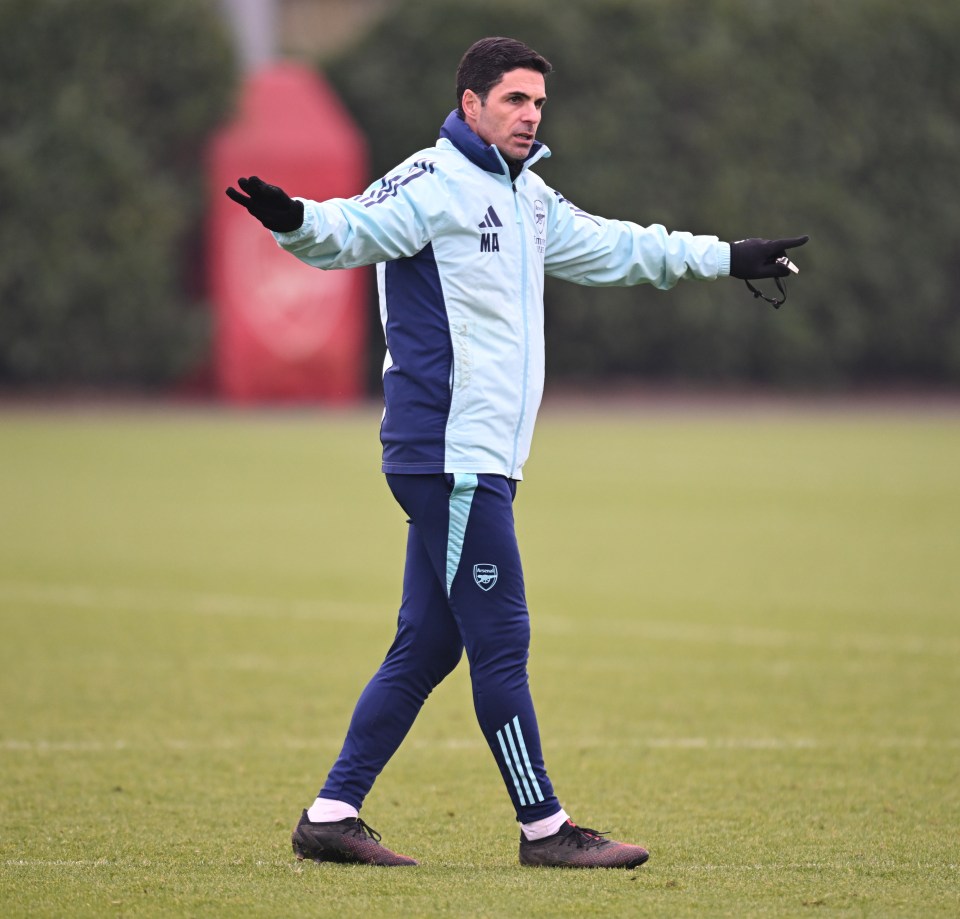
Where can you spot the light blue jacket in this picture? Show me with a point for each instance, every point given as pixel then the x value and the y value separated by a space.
pixel 461 253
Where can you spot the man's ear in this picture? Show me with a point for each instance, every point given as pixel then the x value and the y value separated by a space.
pixel 471 104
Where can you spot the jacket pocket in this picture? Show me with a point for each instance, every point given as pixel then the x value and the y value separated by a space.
pixel 462 355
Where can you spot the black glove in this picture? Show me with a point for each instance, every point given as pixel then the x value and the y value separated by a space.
pixel 757 258
pixel 272 206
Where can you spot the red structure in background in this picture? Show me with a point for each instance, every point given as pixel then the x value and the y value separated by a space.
pixel 285 332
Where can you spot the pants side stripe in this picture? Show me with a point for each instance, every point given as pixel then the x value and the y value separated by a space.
pixel 461 498
pixel 526 758
pixel 513 774
pixel 517 763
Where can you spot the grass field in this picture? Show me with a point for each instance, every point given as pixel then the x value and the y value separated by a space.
pixel 746 655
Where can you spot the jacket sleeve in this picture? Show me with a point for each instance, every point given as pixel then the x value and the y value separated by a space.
pixel 598 252
pixel 394 218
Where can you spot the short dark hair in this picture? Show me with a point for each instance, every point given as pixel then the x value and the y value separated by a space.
pixel 487 60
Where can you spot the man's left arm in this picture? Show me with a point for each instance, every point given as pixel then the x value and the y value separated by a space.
pixel 598 252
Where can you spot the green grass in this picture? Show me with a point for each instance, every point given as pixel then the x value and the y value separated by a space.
pixel 746 655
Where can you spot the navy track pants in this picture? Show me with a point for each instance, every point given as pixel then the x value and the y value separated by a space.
pixel 462 590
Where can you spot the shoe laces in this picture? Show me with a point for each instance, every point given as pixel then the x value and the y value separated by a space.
pixel 364 829
pixel 585 838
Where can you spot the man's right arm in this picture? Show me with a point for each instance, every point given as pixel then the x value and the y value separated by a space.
pixel 391 219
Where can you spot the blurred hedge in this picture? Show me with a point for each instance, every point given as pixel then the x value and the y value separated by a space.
pixel 104 111
pixel 734 117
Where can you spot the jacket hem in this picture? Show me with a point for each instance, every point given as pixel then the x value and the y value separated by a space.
pixel 432 468
pixel 411 468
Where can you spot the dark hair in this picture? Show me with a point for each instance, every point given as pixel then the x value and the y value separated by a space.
pixel 487 60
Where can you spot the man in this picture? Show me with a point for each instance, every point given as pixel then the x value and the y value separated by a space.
pixel 462 235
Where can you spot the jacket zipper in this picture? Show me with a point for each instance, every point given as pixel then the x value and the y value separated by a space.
pixel 526 328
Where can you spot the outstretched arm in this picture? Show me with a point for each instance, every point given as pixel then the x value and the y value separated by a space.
pixel 390 220
pixel 598 252
pixel 594 251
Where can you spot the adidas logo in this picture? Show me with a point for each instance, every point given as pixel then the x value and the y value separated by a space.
pixel 489 241
pixel 490 219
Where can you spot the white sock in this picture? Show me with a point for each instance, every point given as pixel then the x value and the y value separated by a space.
pixel 545 827
pixel 325 810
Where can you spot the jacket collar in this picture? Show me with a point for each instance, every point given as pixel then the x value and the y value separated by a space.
pixel 486 156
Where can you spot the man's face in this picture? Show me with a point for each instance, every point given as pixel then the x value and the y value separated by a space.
pixel 512 112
